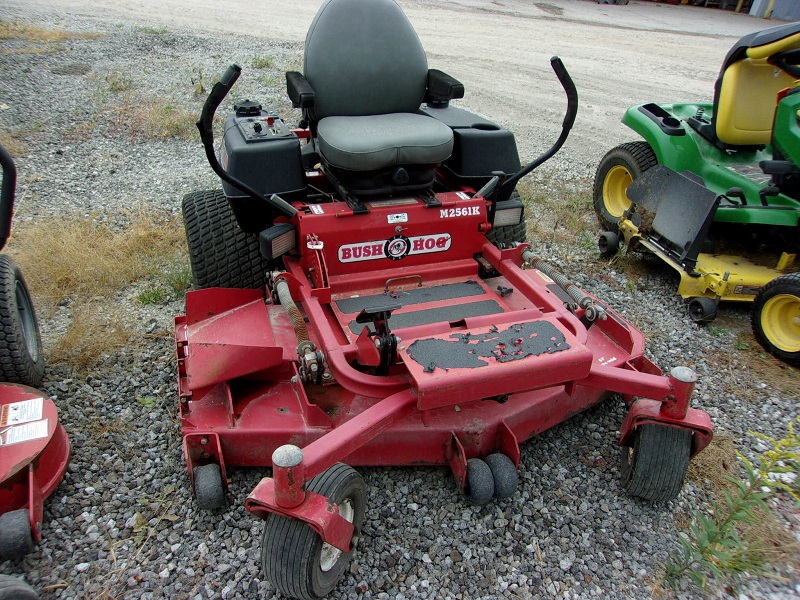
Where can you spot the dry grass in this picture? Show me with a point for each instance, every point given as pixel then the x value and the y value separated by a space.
pixel 150 118
pixel 35 39
pixel 94 333
pixel 715 464
pixel 87 263
pixel 82 259
pixel 12 143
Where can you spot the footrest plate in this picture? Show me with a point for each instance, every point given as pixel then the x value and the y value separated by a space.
pixel 486 362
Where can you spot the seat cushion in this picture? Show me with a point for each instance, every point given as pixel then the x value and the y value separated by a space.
pixel 378 141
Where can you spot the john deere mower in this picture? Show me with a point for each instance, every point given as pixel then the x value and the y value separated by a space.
pixel 722 207
pixel 362 301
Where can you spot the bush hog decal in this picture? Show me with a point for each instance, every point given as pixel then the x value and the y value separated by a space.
pixel 395 248
pixel 468 351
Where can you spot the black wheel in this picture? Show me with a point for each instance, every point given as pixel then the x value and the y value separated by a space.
pixel 21 356
pixel 702 310
pixel 221 254
pixel 13 588
pixel 608 243
pixel 479 489
pixel 617 169
pixel 504 474
pixel 654 469
pixel 209 490
pixel 776 318
pixel 294 557
pixel 506 235
pixel 16 539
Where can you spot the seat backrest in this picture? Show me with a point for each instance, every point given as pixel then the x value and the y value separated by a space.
pixel 746 91
pixel 363 57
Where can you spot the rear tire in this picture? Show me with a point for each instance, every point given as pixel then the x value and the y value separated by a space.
pixel 293 556
pixel 21 355
pixel 615 172
pixel 221 254
pixel 776 318
pixel 655 467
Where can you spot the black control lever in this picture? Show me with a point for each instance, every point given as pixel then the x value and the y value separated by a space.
pixel 205 125
pixel 566 125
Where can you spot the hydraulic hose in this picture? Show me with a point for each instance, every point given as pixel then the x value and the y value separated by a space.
pixel 298 322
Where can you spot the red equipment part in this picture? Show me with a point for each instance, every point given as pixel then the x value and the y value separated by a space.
pixel 514 363
pixel 34 452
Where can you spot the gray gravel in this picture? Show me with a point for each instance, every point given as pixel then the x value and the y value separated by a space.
pixel 123 523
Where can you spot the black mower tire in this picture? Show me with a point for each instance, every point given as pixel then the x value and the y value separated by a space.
pixel 702 310
pixel 221 254
pixel 16 539
pixel 292 553
pixel 615 172
pixel 655 467
pixel 21 354
pixel 209 489
pixel 504 473
pixel 776 318
pixel 13 588
pixel 479 488
pixel 506 235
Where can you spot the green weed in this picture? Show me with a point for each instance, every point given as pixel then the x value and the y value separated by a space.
pixel 262 62
pixel 722 544
pixel 153 30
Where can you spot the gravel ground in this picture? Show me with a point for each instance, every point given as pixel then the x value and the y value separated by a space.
pixel 123 523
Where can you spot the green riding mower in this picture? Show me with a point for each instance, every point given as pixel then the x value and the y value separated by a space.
pixel 714 190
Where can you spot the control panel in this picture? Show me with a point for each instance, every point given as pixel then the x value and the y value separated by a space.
pixel 265 126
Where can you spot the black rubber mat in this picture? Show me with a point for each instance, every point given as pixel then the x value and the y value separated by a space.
pixel 470 351
pixel 448 291
pixel 436 315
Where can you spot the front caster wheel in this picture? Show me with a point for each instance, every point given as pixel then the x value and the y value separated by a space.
pixel 209 489
pixel 294 557
pixel 479 488
pixel 655 467
pixel 16 539
pixel 702 310
pixel 504 474
pixel 776 318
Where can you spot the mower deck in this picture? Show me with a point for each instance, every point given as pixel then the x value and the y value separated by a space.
pixel 485 364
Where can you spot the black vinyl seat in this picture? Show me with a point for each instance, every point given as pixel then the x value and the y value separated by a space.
pixel 365 77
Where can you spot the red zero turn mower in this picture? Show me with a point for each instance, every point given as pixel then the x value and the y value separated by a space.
pixel 366 303
pixel 34 449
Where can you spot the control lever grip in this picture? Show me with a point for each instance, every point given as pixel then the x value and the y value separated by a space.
pixel 569 88
pixel 217 95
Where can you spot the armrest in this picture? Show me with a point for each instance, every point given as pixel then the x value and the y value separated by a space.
pixel 300 91
pixel 442 88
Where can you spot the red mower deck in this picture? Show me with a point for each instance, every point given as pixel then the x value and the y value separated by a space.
pixel 34 454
